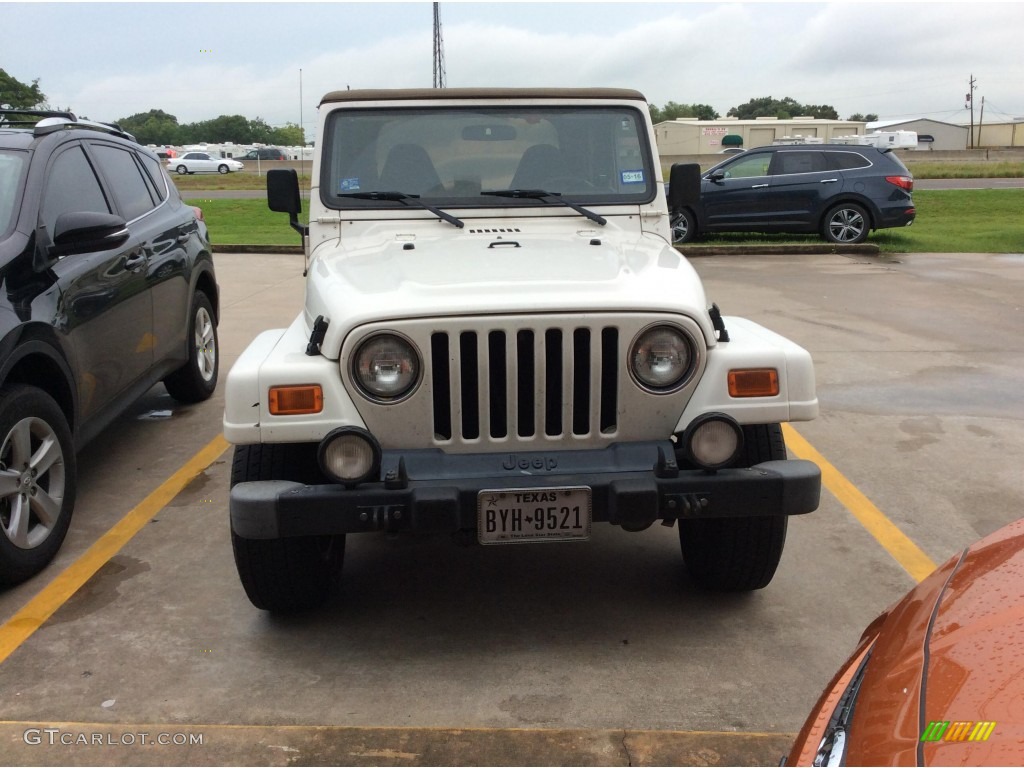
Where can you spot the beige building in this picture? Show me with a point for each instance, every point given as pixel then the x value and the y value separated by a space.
pixel 690 136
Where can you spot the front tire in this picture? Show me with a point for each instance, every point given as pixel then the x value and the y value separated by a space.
pixel 291 574
pixel 37 481
pixel 738 554
pixel 684 227
pixel 196 380
pixel 846 224
pixel 222 168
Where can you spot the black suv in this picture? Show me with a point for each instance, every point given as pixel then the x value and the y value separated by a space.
pixel 264 153
pixel 838 191
pixel 108 288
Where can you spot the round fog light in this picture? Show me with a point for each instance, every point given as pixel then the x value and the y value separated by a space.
pixel 714 441
pixel 349 455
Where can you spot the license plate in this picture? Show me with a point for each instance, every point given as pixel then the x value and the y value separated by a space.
pixel 520 515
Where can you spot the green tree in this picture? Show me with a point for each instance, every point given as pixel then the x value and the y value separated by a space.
pixel 152 127
pixel 226 128
pixel 820 111
pixel 288 135
pixel 260 132
pixel 15 93
pixel 672 110
pixel 857 117
pixel 784 109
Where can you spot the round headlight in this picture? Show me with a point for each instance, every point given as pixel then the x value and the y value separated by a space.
pixel 661 358
pixel 386 367
pixel 349 455
pixel 713 441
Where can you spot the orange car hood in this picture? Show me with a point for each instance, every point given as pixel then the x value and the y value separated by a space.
pixel 956 644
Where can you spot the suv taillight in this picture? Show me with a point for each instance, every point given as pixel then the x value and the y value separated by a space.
pixel 199 213
pixel 903 182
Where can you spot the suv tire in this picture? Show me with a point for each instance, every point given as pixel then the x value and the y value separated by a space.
pixel 684 227
pixel 290 574
pixel 196 380
pixel 37 481
pixel 846 224
pixel 738 554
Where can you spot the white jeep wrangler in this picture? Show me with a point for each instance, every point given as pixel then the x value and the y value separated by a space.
pixel 500 342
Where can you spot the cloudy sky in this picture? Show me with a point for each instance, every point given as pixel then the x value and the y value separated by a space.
pixel 199 60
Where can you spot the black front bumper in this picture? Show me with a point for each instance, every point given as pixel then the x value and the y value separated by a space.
pixel 633 485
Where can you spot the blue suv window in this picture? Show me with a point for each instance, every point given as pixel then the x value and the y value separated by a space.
pixel 847 161
pixel 799 162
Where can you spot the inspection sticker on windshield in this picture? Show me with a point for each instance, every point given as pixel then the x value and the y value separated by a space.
pixel 348 185
pixel 518 515
pixel 632 177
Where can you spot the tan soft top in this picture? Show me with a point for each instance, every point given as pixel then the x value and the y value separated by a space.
pixel 411 94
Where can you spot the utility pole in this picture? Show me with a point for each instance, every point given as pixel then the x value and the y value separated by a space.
pixel 970 103
pixel 439 75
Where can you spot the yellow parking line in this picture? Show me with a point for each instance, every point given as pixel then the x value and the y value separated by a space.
pixel 20 627
pixel 32 616
pixel 893 540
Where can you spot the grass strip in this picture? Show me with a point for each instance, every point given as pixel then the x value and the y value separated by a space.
pixel 948 221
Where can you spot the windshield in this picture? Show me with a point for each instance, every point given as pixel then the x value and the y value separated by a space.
pixel 11 166
pixel 461 156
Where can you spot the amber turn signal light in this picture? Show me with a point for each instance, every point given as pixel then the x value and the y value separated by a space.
pixel 296 400
pixel 754 382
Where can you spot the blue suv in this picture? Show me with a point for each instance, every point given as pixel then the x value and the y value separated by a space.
pixel 838 191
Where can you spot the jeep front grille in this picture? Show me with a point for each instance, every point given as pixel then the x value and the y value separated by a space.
pixel 557 381
pixel 524 382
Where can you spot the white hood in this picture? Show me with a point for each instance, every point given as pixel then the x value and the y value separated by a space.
pixel 480 273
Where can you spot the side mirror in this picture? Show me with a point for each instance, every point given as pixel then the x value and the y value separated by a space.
pixel 83 231
pixel 283 196
pixel 684 186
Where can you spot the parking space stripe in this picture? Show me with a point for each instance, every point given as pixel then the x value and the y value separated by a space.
pixel 20 627
pixel 913 560
pixel 28 619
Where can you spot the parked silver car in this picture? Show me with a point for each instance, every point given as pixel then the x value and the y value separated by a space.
pixel 203 162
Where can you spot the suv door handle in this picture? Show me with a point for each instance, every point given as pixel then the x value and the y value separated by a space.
pixel 759 186
pixel 135 260
pixel 829 181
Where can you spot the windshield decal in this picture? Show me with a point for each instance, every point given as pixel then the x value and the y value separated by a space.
pixel 633 177
pixel 348 185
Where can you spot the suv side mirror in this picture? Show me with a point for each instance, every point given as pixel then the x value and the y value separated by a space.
pixel 82 231
pixel 684 186
pixel 283 196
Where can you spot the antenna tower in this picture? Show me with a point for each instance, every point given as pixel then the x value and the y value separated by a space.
pixel 439 76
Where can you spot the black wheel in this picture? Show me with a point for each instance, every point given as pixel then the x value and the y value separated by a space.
pixel 738 554
pixel 37 481
pixel 222 168
pixel 197 379
pixel 846 224
pixel 283 575
pixel 684 228
pixel 182 170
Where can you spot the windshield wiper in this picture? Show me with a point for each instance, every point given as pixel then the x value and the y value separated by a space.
pixel 403 198
pixel 547 197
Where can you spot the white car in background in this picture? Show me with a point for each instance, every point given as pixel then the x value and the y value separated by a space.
pixel 202 162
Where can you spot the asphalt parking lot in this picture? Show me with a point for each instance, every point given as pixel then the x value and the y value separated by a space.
pixel 596 654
